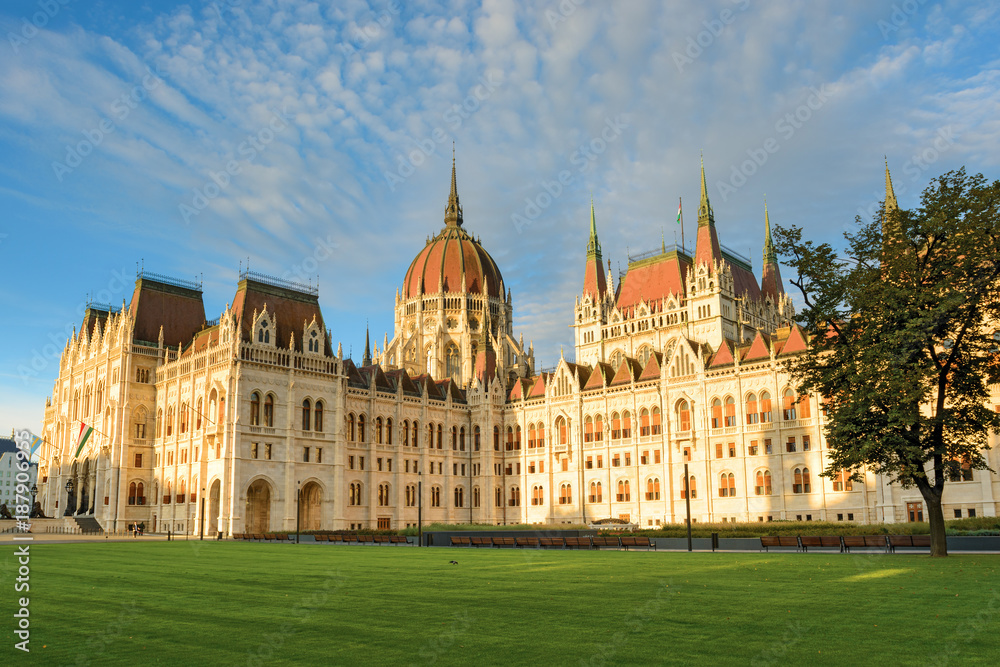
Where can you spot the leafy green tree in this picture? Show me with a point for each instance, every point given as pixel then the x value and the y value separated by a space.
pixel 902 337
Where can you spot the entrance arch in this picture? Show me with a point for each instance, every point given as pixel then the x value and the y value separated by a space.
pixel 213 506
pixel 310 502
pixel 258 510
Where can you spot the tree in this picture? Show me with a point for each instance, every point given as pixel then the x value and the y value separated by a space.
pixel 903 337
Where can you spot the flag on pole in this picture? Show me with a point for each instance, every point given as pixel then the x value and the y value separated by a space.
pixel 35 443
pixel 82 437
pixel 678 210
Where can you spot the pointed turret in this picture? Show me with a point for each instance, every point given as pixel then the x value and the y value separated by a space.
pixel 453 211
pixel 770 281
pixel 366 360
pixel 485 363
pixel 594 282
pixel 889 223
pixel 707 250
pixel 890 195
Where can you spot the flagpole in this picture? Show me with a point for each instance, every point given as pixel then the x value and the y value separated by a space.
pixel 680 209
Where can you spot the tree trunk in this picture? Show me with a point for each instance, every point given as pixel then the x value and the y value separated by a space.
pixel 935 516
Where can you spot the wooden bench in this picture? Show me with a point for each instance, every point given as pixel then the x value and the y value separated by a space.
pixel 381 539
pixel 477 541
pixel 284 537
pixel 460 541
pixel 398 539
pixel 865 542
pixel 605 541
pixel 770 541
pixel 638 542
pixel 578 543
pixel 504 542
pixel 367 539
pixel 817 541
pixel 546 542
pixel 257 536
pixel 913 541
pixel 322 538
pixel 349 538
pixel 527 542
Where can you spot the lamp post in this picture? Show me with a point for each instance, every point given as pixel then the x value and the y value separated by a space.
pixel 298 510
pixel 34 492
pixel 69 494
pixel 201 527
pixel 420 509
pixel 687 503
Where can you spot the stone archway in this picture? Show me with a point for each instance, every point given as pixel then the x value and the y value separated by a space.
pixel 258 510
pixel 213 505
pixel 310 503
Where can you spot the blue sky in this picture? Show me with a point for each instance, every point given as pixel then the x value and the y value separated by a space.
pixel 315 140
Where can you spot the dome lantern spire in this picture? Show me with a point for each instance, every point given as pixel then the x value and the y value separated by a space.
pixel 453 211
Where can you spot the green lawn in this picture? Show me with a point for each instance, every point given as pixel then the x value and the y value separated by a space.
pixel 238 603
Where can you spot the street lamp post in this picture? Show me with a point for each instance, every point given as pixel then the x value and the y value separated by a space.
pixel 201 527
pixel 420 509
pixel 69 494
pixel 34 492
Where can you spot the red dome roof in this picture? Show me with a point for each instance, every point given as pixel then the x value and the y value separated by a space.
pixel 450 256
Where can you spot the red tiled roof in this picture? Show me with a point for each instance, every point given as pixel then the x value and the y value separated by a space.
pixel 652 369
pixel 652 281
pixel 289 309
pixel 707 249
pixel 538 388
pixel 452 254
pixel 796 341
pixel 758 349
pixel 770 282
pixel 178 310
pixel 723 356
pixel 599 377
pixel 744 281
pixel 627 372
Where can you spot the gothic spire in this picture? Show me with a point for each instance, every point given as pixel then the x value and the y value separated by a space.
pixel 770 280
pixel 593 245
pixel 367 359
pixel 770 257
pixel 890 195
pixel 594 282
pixel 707 249
pixel 705 214
pixel 453 211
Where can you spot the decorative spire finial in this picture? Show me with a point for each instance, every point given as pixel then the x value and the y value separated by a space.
pixel 770 256
pixel 453 211
pixel 890 195
pixel 705 214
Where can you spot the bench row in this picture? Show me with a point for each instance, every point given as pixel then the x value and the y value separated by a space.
pixel 595 542
pixel 362 539
pixel 889 543
pixel 264 537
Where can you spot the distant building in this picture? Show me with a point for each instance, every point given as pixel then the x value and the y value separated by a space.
pixel 223 423
pixel 8 474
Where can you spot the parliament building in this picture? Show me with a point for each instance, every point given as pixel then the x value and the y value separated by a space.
pixel 255 421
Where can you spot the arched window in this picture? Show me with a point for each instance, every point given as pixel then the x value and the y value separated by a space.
pixel 727 485
pixel 561 429
pixel 537 495
pixel 656 426
pixel 383 495
pixel 653 489
pixel 684 415
pixel 159 422
pixel 406 433
pixel 475 438
pixel 131 493
pixel 263 333
pixel 716 413
pixel 515 497
pixel 496 438
pixel 788 405
pixel 306 414
pixel 476 499
pixel 318 417
pixel 430 435
pixel 378 430
pixel 454 438
pixel 765 407
pixel 842 482
pixel 440 437
pixel 624 491
pixel 598 428
pixel 616 426
pixel 541 434
pixel 805 412
pixel 565 494
pixel 461 439
pixel 691 485
pixel 269 410
pixel 645 352
pixel 616 359
pixel 626 424
pixel 415 427
pixel 140 494
pixel 517 437
pixel 170 420
pixel 354 491
pixel 213 400
pixel 184 418
pixel 388 430
pixel 751 411
pixel 644 423
pixel 459 496
pixel 454 364
pixel 763 486
pixel 588 429
pixel 361 428
pixel 197 415
pixel 510 439
pixel 730 411
pixel 800 481
pixel 595 492
pixel 351 433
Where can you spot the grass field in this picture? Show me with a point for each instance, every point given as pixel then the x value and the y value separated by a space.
pixel 236 603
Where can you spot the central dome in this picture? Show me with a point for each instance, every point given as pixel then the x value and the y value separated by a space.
pixel 451 257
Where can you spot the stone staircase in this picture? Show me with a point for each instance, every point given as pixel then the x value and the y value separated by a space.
pixel 88 524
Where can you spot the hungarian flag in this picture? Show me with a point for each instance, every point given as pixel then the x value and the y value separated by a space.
pixel 82 437
pixel 678 210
